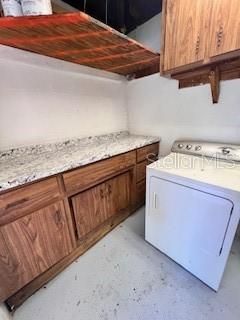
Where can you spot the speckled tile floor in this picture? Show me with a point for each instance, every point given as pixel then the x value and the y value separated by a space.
pixel 124 278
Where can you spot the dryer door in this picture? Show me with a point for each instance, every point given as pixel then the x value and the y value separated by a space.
pixel 189 226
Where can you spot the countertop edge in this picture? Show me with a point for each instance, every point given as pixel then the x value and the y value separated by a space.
pixel 29 179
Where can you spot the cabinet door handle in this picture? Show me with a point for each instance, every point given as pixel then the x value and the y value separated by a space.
pixel 197 45
pixel 220 36
pixel 109 189
pixel 154 200
pixel 101 193
pixel 58 217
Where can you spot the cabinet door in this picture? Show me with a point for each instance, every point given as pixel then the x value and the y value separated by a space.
pixel 120 193
pixel 185 36
pixel 96 205
pixel 225 27
pixel 31 245
pixel 140 193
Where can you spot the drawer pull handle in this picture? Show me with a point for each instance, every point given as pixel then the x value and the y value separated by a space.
pixel 16 203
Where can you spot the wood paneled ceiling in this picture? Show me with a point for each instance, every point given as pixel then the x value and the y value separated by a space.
pixel 89 38
pixel 79 38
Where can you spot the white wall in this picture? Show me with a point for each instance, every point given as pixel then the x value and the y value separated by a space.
pixel 4 314
pixel 44 99
pixel 157 107
pixel 149 33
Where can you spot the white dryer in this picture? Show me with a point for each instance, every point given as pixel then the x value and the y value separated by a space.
pixel 193 206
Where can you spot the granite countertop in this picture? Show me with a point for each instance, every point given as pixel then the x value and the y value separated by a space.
pixel 27 164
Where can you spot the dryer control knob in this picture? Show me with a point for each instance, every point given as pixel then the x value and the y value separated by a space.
pixel 189 146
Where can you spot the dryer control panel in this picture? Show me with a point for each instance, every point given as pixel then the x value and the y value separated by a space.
pixel 208 149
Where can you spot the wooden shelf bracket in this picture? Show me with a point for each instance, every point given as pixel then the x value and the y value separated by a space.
pixel 214 80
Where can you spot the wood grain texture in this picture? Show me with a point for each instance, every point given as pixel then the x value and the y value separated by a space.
pixel 199 33
pixel 150 152
pixel 224 33
pixel 152 68
pixel 141 193
pixel 118 177
pixel 31 245
pixel 92 238
pixel 96 205
pixel 214 79
pixel 78 38
pixel 68 210
pixel 185 36
pixel 120 193
pixel 85 177
pixel 228 70
pixel 163 35
pixel 141 170
pixel 17 203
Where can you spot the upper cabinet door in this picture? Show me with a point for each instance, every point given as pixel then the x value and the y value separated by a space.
pixel 224 27
pixel 184 34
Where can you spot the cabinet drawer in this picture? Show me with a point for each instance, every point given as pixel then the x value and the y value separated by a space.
pixel 141 170
pixel 85 177
pixel 141 192
pixel 151 150
pixel 17 203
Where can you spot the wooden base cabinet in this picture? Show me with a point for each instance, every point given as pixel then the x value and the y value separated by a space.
pixel 45 226
pixel 31 245
pixel 93 207
pixel 145 156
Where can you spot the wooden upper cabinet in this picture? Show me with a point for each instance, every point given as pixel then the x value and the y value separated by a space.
pixel 224 27
pixel 199 32
pixel 184 24
pixel 31 245
pixel 96 205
